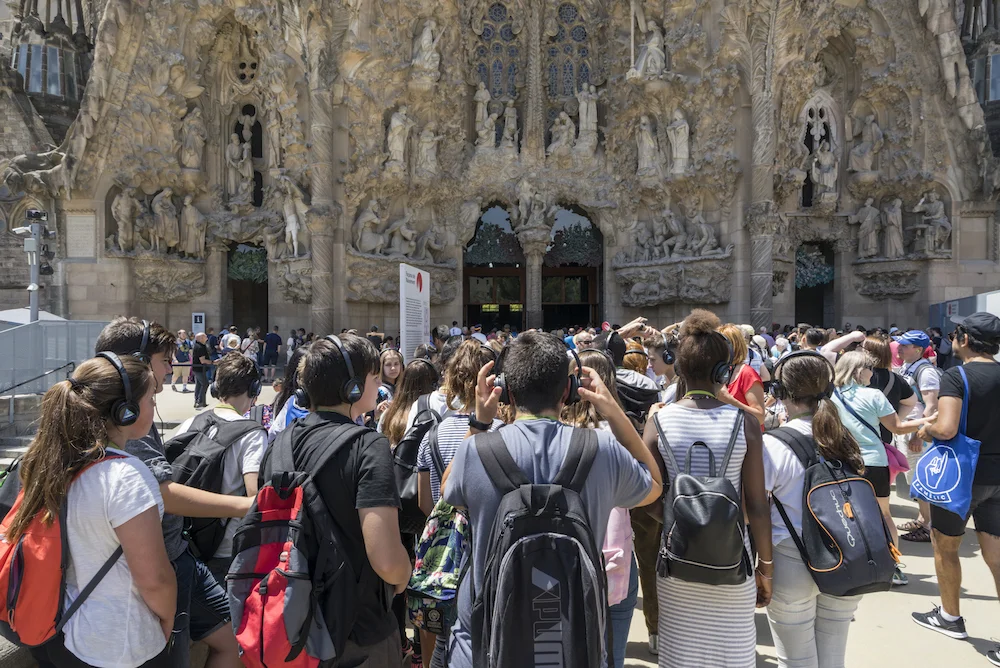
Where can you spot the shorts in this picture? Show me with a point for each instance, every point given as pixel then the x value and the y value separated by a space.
pixel 202 606
pixel 878 476
pixel 911 457
pixel 984 510
pixel 387 653
pixel 269 358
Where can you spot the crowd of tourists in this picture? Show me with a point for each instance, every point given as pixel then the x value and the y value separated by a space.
pixel 506 494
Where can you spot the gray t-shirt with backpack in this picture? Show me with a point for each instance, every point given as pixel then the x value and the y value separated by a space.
pixel 539 447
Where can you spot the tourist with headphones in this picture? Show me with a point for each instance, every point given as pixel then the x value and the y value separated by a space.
pixel 351 467
pixel 662 355
pixel 390 369
pixel 202 607
pixel 533 375
pixel 237 385
pixel 712 624
pixel 419 378
pixel 113 503
pixel 809 627
pixel 745 389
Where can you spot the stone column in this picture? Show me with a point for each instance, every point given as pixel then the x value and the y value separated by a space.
pixel 322 216
pixel 534 242
pixel 762 223
pixel 534 116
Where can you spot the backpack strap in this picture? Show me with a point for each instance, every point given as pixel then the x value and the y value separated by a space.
pixel 500 466
pixel 89 589
pixel 733 437
pixel 284 455
pixel 843 402
pixel 666 445
pixel 579 460
pixel 888 387
pixel 791 530
pixel 804 447
pixel 436 458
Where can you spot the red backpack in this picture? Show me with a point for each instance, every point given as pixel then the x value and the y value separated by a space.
pixel 33 577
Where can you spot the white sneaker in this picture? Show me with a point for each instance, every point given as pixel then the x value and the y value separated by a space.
pixel 654 645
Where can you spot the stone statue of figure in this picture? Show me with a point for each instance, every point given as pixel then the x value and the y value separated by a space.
pixel 192 230
pixel 643 244
pixel 652 58
pixel 487 136
pixel 892 223
pixel 509 126
pixel 428 246
pixel 587 99
pixel 273 139
pixel 482 99
pixel 165 231
pixel 706 240
pixel 649 149
pixel 124 208
pixel 193 139
pixel 247 121
pixel 367 237
pixel 426 59
pixel 699 236
pixel 246 164
pixel 563 134
pixel 824 169
pixel 676 244
pixel 399 132
pixel 863 155
pixel 939 227
pixel 234 159
pixel 679 134
pixel 427 159
pixel 870 221
pixel 290 209
pixel 402 237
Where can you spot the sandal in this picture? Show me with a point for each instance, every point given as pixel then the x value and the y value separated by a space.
pixel 912 525
pixel 921 535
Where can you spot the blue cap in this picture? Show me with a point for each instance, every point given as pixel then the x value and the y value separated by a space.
pixel 914 337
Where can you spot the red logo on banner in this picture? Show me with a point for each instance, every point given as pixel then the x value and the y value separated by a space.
pixel 420 282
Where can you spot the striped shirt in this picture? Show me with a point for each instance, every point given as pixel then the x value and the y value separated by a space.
pixel 451 433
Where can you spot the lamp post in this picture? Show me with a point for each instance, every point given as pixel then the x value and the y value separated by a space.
pixel 35 232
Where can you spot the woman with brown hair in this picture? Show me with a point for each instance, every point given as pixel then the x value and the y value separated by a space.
pixel 112 502
pixel 390 369
pixel 806 624
pixel 745 389
pixel 418 378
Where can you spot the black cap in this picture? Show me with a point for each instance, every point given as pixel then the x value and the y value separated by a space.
pixel 614 344
pixel 981 326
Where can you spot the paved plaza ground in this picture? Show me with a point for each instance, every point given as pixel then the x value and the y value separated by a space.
pixel 883 633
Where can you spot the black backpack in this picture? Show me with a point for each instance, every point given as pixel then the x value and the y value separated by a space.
pixel 544 590
pixel 411 518
pixel 845 541
pixel 292 587
pixel 703 529
pixel 197 460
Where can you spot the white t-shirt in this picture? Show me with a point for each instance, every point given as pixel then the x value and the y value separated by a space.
pixel 241 458
pixel 784 477
pixel 455 331
pixel 437 403
pixel 479 336
pixel 113 628
pixel 289 347
pixel 929 381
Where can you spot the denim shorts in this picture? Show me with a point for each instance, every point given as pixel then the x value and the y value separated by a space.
pixel 202 604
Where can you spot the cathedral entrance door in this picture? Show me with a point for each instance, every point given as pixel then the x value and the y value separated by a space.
pixel 814 285
pixel 494 290
pixel 248 288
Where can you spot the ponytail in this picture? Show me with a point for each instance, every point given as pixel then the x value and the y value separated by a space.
pixel 835 441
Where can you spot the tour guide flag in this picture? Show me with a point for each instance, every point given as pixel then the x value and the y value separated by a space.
pixel 414 309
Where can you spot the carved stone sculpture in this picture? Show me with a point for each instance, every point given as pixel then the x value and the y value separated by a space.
pixel 587 99
pixel 246 167
pixel 677 243
pixel 824 171
pixel 563 135
pixel 194 135
pixel 165 230
pixel 427 160
pixel 482 98
pixel 863 155
pixel 869 220
pixel 166 280
pixel 426 61
pixel 290 207
pixel 679 133
pixel 367 234
pixel 935 224
pixel 649 149
pixel 892 223
pixel 652 60
pixel 295 285
pixel 487 136
pixel 509 141
pixel 402 236
pixel 887 280
pixel 429 247
pixel 702 280
pixel 37 173
pixel 399 133
pixel 234 160
pixel 193 229
pixel 124 209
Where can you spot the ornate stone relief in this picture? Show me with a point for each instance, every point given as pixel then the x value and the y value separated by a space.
pixel 887 279
pixel 681 281
pixel 294 280
pixel 165 280
pixel 377 281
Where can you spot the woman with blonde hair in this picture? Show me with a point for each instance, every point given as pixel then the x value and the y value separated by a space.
pixel 113 510
pixel 390 369
pixel 862 409
pixel 745 389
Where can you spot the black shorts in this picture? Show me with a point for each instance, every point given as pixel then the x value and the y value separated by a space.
pixel 269 358
pixel 878 476
pixel 984 510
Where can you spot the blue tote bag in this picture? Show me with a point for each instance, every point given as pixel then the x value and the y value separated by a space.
pixel 943 476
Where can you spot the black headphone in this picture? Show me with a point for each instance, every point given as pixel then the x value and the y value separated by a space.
pixel 253 391
pixel 124 412
pixel 722 372
pixel 489 351
pixel 575 381
pixel 353 387
pixel 437 374
pixel 778 390
pixel 141 353
pixel 669 358
pixel 501 379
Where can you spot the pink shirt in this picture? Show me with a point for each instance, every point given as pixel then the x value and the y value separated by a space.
pixel 618 554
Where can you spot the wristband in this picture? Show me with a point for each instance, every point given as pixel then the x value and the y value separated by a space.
pixel 477 425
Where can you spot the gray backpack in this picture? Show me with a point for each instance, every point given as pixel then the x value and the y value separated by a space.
pixel 703 529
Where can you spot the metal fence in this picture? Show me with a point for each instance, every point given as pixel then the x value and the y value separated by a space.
pixel 29 351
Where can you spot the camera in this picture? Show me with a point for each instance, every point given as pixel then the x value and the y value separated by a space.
pixel 35 214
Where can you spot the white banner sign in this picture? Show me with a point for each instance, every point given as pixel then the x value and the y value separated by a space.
pixel 414 309
pixel 197 323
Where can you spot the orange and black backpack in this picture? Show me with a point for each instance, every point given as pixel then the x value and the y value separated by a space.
pixel 33 577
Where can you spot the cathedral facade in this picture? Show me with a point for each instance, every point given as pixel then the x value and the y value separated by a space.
pixel 548 162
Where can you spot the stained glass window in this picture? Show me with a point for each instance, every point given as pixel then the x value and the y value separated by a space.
pixel 53 85
pixel 568 51
pixel 497 54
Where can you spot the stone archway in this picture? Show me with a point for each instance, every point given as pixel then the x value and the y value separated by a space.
pixel 571 272
pixel 494 273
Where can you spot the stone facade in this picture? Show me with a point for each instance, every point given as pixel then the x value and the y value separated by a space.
pixel 744 154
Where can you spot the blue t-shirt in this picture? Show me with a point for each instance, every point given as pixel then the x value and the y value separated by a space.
pixel 539 446
pixel 271 342
pixel 569 343
pixel 870 405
